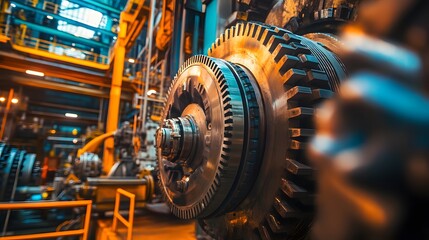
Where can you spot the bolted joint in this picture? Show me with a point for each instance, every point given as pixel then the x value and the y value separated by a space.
pixel 177 138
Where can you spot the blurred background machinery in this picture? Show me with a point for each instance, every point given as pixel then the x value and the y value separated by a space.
pixel 217 100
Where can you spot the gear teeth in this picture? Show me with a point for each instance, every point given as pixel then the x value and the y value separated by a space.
pixel 299 93
pixel 287 62
pixel 246 29
pixel 239 29
pixel 297 145
pixel 259 32
pixel 293 77
pixel 228 34
pixel 285 210
pixel 317 79
pixel 292 190
pixel 301 132
pixel 321 94
pixel 222 37
pixel 252 30
pixel 276 225
pixel 217 42
pixel 301 112
pixel 264 231
pixel 266 36
pixel 233 31
pixel 300 48
pixel 298 168
pixel 291 38
pixel 309 61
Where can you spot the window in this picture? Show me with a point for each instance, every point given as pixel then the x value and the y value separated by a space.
pixel 81 14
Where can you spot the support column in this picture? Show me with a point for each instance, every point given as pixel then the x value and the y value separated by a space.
pixel 115 97
pixel 6 112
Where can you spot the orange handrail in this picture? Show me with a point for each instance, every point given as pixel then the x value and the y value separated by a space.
pixel 117 216
pixel 50 204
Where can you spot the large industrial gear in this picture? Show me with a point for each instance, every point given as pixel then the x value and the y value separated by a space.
pixel 226 116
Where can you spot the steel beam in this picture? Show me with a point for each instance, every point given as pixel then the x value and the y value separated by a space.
pixel 115 93
pixel 39 83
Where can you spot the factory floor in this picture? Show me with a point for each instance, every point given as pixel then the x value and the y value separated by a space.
pixel 150 226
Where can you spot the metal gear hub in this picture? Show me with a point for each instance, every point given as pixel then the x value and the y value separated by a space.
pixel 211 120
pixel 235 127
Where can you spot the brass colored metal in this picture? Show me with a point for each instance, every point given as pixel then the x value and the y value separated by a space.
pixel 261 188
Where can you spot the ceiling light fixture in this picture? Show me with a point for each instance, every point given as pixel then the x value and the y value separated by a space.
pixel 2 99
pixel 71 115
pixel 35 73
pixel 49 17
pixel 131 60
pixel 14 100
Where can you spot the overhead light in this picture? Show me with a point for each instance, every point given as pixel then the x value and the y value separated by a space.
pixel 71 115
pixel 49 17
pixel 72 49
pixel 35 73
pixel 14 100
pixel 150 92
pixel 75 140
pixel 131 60
pixel 12 5
pixel 52 131
pixel 2 99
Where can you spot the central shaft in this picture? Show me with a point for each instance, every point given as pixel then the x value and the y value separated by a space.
pixel 178 139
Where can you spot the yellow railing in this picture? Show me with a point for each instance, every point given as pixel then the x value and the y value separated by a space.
pixel 117 216
pixel 59 49
pixel 47 5
pixel 50 204
pixel 32 3
pixel 50 7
